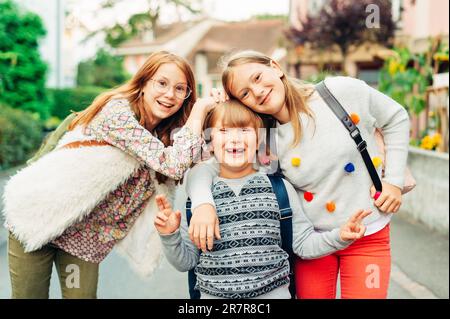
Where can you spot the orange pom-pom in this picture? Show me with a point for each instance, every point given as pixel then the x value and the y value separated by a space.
pixel 331 207
pixel 355 118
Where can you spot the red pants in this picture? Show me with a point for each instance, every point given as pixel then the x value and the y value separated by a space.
pixel 364 267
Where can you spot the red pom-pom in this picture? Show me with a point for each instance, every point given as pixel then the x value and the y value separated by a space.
pixel 308 196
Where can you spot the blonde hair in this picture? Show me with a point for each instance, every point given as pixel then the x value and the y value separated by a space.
pixel 296 91
pixel 233 113
pixel 133 92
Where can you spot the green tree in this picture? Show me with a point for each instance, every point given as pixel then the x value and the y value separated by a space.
pixel 142 21
pixel 346 25
pixel 105 70
pixel 22 71
pixel 406 76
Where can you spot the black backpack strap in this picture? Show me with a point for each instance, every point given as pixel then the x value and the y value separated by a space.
pixel 355 134
pixel 192 277
pixel 285 224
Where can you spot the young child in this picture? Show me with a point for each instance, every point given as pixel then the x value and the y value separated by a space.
pixel 248 261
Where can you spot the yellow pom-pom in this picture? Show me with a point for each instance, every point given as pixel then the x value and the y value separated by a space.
pixel 296 161
pixel 377 162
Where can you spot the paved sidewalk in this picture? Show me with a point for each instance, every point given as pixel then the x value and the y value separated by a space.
pixel 420 269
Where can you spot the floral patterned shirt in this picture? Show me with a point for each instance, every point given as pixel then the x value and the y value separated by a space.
pixel 95 236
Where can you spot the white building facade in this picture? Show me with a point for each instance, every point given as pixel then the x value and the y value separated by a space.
pixel 56 49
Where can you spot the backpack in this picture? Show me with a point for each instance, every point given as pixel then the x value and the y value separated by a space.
pixel 285 229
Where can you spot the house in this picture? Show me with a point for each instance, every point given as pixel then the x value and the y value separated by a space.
pixel 422 19
pixel 179 38
pixel 417 21
pixel 203 43
pixel 265 36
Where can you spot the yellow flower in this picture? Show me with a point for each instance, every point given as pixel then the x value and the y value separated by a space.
pixel 393 66
pixel 441 57
pixel 437 139
pixel 427 143
pixel 426 146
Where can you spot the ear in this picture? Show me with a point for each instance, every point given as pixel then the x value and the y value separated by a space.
pixel 277 68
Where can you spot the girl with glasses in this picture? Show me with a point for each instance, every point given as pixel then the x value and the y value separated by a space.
pixel 73 205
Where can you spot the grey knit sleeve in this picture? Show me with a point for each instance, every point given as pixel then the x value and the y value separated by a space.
pixel 394 122
pixel 306 242
pixel 199 181
pixel 179 249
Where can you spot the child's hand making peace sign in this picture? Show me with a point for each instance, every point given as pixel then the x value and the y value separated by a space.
pixel 166 221
pixel 354 228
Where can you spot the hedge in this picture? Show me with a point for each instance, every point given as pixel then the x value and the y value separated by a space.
pixel 64 101
pixel 20 135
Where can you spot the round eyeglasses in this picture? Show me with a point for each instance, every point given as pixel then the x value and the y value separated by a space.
pixel 181 91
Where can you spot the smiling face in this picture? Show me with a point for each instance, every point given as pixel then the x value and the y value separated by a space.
pixel 164 92
pixel 234 137
pixel 234 147
pixel 258 86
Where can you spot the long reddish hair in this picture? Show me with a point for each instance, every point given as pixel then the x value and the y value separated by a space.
pixel 132 91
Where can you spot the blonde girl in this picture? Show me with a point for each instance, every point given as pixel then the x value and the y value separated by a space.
pixel 318 157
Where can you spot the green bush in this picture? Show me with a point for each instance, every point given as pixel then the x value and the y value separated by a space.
pixel 20 135
pixel 64 101
pixel 104 70
pixel 22 69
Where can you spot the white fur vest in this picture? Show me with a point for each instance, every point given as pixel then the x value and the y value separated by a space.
pixel 42 200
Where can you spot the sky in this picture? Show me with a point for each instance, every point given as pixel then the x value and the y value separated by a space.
pixel 88 13
pixel 231 10
pixel 228 10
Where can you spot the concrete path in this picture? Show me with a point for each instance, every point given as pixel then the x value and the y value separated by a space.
pixel 420 268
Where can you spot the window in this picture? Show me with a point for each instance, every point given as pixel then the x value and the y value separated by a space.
pixel 369 76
